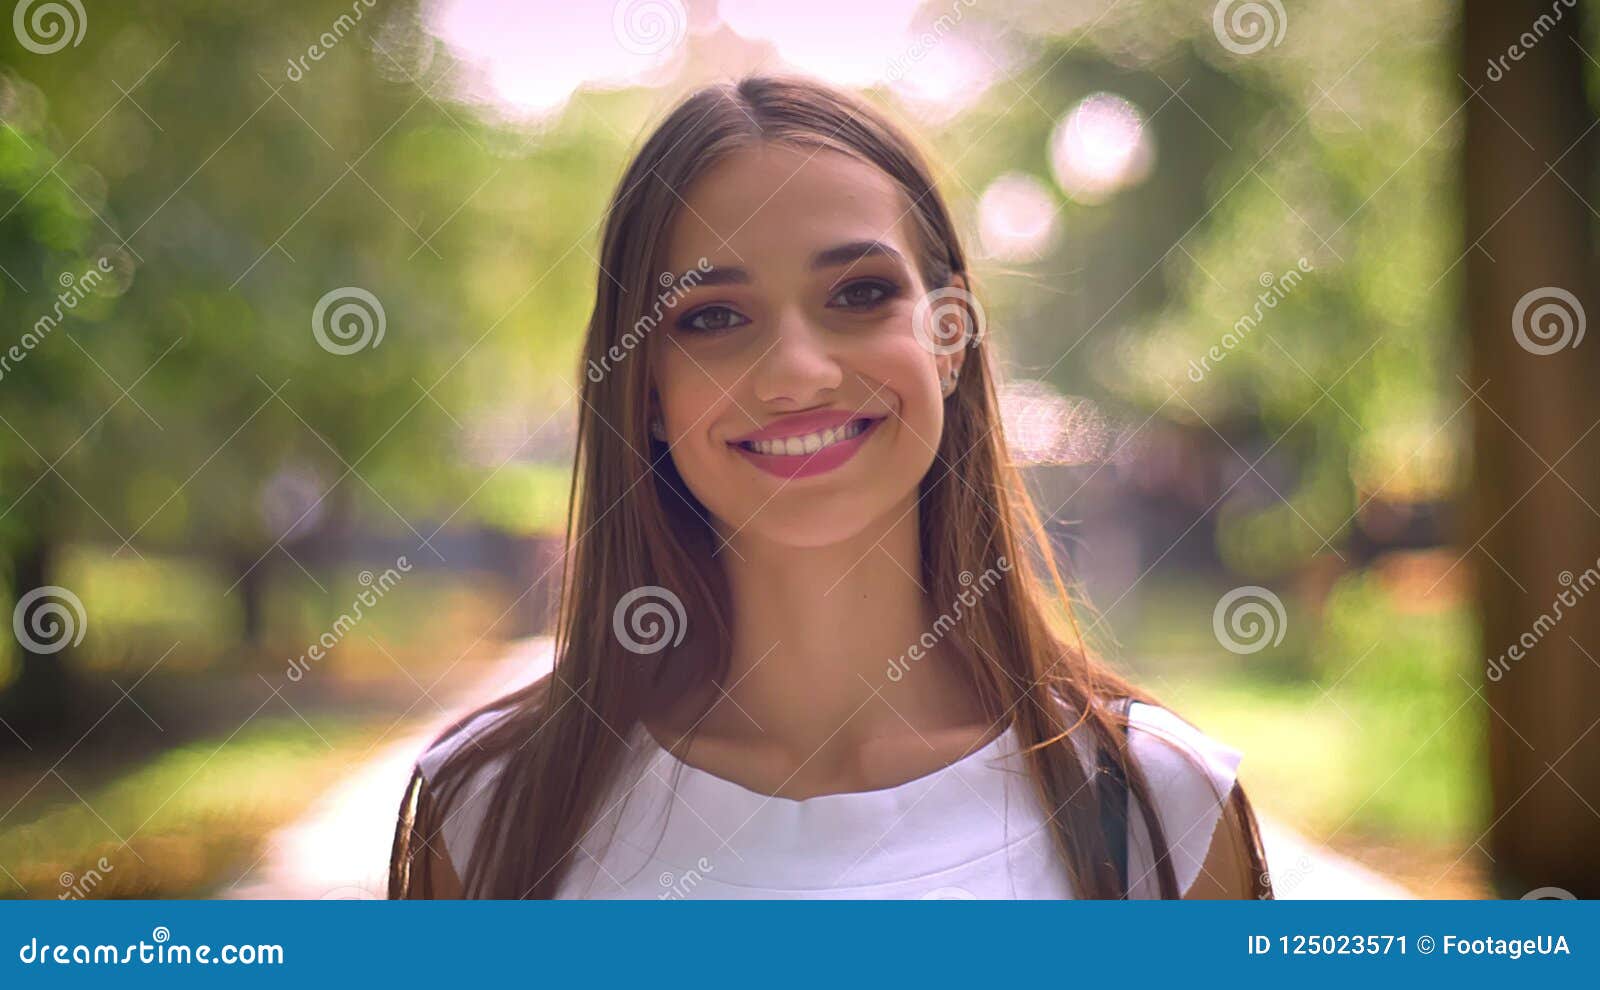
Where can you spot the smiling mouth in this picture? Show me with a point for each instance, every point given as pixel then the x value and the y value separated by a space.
pixel 808 454
pixel 808 443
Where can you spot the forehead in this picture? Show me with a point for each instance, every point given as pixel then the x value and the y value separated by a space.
pixel 776 203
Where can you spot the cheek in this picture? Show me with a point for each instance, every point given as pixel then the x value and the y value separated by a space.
pixel 907 374
pixel 695 397
pixel 691 391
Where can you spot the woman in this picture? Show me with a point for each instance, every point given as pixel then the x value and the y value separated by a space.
pixel 858 675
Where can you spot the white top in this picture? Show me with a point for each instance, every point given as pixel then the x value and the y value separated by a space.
pixel 972 829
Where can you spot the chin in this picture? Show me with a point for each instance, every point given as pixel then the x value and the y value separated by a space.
pixel 803 534
pixel 803 520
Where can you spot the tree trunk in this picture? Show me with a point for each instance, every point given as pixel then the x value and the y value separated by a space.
pixel 1533 534
pixel 37 704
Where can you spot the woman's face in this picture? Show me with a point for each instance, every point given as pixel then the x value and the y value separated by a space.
pixel 798 402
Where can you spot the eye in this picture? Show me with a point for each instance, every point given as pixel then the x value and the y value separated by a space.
pixel 864 294
pixel 711 319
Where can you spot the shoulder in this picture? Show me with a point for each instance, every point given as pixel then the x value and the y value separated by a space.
pixel 1191 777
pixel 1178 759
pixel 460 775
pixel 463 737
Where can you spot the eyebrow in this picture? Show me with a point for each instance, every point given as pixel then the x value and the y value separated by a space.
pixel 833 257
pixel 854 251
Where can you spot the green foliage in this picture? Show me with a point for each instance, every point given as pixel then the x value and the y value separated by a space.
pixel 528 499
pixel 230 198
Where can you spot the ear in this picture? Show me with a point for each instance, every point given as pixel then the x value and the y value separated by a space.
pixel 652 417
pixel 953 361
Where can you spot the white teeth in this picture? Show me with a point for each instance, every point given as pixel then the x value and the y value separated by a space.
pixel 808 444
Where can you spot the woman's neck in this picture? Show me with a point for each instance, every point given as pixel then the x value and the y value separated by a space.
pixel 815 632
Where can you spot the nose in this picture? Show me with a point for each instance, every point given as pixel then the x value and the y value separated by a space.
pixel 799 364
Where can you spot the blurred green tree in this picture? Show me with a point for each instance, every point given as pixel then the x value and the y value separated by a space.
pixel 319 278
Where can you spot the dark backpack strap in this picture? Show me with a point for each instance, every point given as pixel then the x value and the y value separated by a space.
pixel 1114 802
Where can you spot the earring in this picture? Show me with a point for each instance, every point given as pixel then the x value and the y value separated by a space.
pixel 950 386
pixel 658 431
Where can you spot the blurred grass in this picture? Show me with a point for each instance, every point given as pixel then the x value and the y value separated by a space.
pixel 1362 724
pixel 1340 766
pixel 171 770
pixel 194 817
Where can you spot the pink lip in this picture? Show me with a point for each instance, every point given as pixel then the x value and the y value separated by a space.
pixel 806 465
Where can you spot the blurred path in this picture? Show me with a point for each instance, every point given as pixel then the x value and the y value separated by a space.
pixel 1304 871
pixel 340 847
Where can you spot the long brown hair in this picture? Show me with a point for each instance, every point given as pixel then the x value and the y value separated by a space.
pixel 634 523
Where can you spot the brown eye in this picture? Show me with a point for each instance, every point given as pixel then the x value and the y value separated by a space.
pixel 863 294
pixel 711 319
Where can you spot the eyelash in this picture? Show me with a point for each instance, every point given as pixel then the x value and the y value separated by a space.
pixel 888 290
